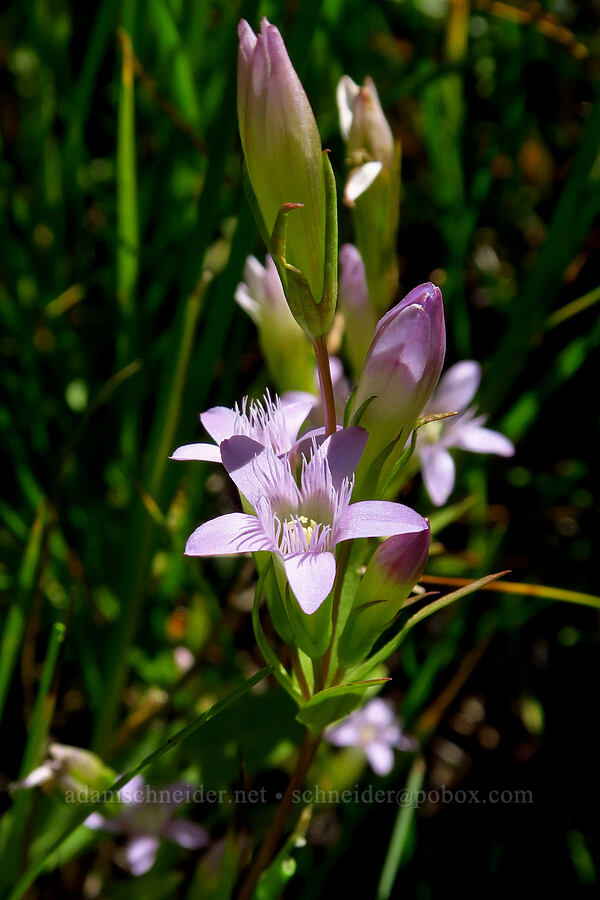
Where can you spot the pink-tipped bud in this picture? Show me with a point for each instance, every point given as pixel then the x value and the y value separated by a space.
pixel 282 148
pixel 393 571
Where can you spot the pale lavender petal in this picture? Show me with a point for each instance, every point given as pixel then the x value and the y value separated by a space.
pixel 141 853
pixel 379 713
pixel 438 472
pixel 343 451
pixel 219 422
pixel 186 834
pixel 378 518
pixel 45 772
pixel 360 179
pixel 203 452
pixel 346 94
pixel 228 535
pixel 407 743
pixel 133 793
pixel 97 822
pixel 238 454
pixel 346 734
pixel 295 412
pixel 380 756
pixel 482 440
pixel 311 577
pixel 456 388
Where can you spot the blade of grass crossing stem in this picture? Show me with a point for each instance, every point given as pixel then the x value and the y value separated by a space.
pixel 401 832
pixel 14 624
pixel 45 861
pixel 38 732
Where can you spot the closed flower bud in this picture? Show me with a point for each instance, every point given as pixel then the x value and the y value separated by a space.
pixel 401 370
pixel 285 165
pixel 372 186
pixel 70 769
pixel 286 348
pixel 363 124
pixel 393 571
pixel 360 317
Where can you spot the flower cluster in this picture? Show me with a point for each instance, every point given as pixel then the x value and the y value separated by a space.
pixel 337 556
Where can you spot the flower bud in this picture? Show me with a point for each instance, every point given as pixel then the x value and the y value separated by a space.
pixel 69 768
pixel 360 318
pixel 393 571
pixel 373 185
pixel 363 124
pixel 286 349
pixel 401 370
pixel 287 170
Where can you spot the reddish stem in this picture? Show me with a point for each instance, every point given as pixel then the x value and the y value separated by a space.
pixel 326 385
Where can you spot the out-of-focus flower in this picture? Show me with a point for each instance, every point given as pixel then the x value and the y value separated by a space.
pixel 148 818
pixel 184 658
pixel 376 731
pixel 285 164
pixel 464 431
pixel 272 423
pixel 401 371
pixel 360 318
pixel 373 185
pixel 393 571
pixel 70 769
pixel 286 348
pixel 300 524
pixel 367 133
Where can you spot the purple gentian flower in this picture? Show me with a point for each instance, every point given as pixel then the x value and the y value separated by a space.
pixel 273 424
pixel 374 729
pixel 147 822
pixel 465 430
pixel 300 524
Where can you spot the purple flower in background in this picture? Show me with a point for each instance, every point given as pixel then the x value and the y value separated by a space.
pixel 287 350
pixel 360 317
pixel 273 424
pixel 464 431
pixel 374 729
pixel 300 523
pixel 147 819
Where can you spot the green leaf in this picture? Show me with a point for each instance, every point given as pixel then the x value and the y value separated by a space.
pixel 334 703
pixel 392 645
pixel 265 648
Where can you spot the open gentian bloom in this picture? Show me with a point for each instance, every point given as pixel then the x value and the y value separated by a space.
pixel 376 731
pixel 464 431
pixel 300 523
pixel 146 822
pixel 272 423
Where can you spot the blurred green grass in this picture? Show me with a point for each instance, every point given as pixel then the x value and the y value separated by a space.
pixel 124 230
